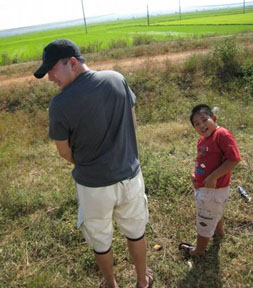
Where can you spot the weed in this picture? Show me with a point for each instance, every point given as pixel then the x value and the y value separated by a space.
pixel 120 43
pixel 247 79
pixel 223 64
pixel 142 39
pixel 34 97
pixel 40 245
pixel 92 47
pixel 5 59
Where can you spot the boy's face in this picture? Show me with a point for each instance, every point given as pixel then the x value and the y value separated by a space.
pixel 204 124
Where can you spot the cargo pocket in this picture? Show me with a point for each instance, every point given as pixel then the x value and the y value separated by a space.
pixel 221 196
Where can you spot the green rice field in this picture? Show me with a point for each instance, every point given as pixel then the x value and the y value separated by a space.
pixel 103 36
pixel 239 19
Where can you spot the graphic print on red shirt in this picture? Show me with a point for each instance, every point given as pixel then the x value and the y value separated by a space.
pixel 212 152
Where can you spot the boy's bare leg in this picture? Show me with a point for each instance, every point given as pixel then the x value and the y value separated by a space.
pixel 105 264
pixel 219 231
pixel 137 250
pixel 201 246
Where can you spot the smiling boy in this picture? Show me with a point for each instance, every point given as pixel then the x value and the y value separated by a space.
pixel 217 155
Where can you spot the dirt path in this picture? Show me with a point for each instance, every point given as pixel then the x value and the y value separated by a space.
pixel 127 64
pixel 123 64
pixel 156 60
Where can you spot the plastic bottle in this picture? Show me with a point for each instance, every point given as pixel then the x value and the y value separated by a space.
pixel 243 193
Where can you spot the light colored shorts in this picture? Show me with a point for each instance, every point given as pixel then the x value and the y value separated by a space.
pixel 125 201
pixel 210 204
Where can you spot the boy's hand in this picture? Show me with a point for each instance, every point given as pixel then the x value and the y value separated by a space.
pixel 224 168
pixel 210 181
pixel 193 178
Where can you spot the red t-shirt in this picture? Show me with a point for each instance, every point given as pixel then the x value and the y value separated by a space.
pixel 212 152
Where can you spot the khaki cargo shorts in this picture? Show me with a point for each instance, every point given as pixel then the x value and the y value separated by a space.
pixel 125 201
pixel 210 205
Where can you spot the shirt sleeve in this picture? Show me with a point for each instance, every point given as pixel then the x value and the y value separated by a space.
pixel 58 126
pixel 229 146
pixel 132 97
pixel 130 93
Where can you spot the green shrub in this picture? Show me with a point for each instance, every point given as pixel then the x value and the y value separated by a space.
pixel 160 172
pixel 92 47
pixel 191 64
pixel 5 59
pixel 247 78
pixel 223 63
pixel 142 39
pixel 120 43
pixel 186 79
pixel 27 97
pixel 247 71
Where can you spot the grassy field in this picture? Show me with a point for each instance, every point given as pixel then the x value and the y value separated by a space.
pixel 104 36
pixel 40 245
pixel 239 19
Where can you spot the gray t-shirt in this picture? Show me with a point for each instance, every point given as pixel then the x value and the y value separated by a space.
pixel 95 114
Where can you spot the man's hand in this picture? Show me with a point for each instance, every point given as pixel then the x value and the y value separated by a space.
pixel 64 150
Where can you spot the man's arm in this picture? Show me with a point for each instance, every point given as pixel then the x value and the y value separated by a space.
pixel 134 117
pixel 64 150
pixel 224 168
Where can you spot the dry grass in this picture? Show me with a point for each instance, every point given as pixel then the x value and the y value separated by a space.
pixel 40 245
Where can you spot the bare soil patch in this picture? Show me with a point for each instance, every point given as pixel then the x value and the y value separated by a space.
pixel 123 64
pixel 128 64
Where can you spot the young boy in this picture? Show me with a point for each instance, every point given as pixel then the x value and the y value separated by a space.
pixel 217 155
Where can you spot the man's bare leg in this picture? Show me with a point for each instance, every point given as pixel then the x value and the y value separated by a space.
pixel 105 264
pixel 137 250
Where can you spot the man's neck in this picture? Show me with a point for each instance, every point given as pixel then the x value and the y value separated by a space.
pixel 80 69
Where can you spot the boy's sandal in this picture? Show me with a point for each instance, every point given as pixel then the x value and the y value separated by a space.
pixel 186 248
pixel 103 284
pixel 150 278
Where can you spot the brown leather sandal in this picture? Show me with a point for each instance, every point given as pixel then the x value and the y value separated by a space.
pixel 150 278
pixel 103 284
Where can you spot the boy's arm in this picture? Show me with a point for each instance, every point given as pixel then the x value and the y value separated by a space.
pixel 193 178
pixel 224 168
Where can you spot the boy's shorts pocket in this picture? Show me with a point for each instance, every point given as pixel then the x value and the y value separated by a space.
pixel 210 204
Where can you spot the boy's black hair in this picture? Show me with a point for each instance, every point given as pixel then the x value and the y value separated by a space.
pixel 201 108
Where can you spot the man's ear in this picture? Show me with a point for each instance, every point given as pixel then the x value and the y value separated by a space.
pixel 214 117
pixel 73 62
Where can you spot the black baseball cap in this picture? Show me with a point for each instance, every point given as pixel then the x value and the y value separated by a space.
pixel 53 52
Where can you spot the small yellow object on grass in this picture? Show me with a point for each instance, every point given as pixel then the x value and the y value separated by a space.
pixel 158 247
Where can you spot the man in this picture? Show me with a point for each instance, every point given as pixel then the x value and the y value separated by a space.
pixel 92 121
